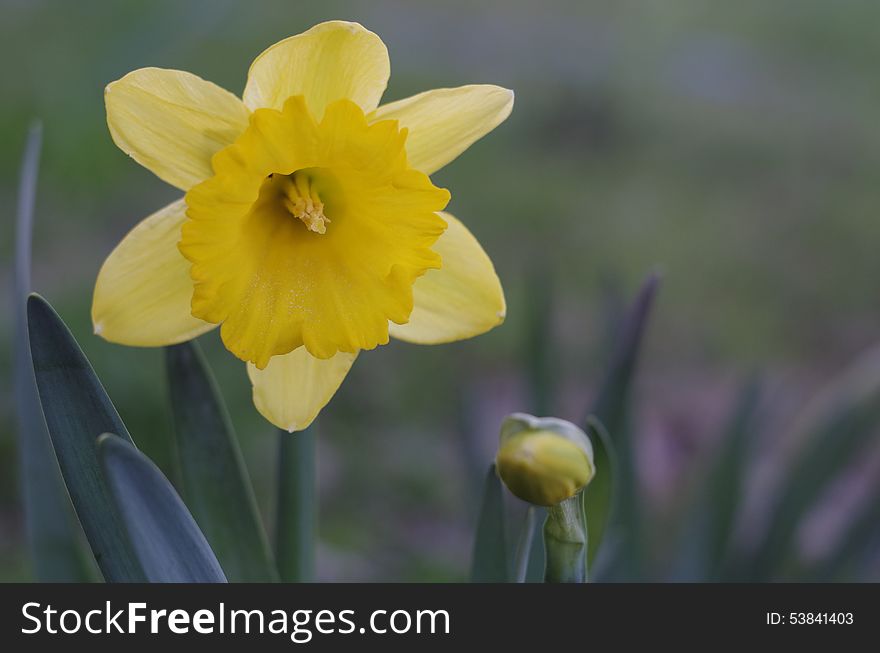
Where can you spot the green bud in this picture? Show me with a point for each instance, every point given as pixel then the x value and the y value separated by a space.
pixel 543 460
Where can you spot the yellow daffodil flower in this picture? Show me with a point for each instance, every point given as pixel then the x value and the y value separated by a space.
pixel 310 229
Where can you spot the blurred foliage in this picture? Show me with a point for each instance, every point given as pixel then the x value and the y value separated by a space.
pixel 490 558
pixel 732 144
pixel 833 434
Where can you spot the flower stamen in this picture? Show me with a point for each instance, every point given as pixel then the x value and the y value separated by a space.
pixel 303 202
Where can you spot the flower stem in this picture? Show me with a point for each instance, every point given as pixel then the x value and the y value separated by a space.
pixel 296 518
pixel 565 539
pixel 524 546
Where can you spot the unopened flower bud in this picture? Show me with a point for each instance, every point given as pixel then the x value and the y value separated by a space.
pixel 543 460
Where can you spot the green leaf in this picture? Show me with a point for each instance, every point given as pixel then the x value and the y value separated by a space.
pixel 537 556
pixel 489 563
pixel 704 550
pixel 612 402
pixel 524 545
pixel 836 428
pixel 727 480
pixel 296 520
pixel 858 541
pixel 539 350
pixel 54 536
pixel 166 539
pixel 215 481
pixel 599 495
pixel 612 409
pixel 77 411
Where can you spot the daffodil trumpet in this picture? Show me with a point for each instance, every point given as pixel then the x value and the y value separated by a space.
pixel 309 229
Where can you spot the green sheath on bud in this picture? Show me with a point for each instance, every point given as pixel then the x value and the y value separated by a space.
pixel 565 543
pixel 543 460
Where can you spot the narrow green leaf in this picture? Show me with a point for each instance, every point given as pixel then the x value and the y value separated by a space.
pixel 537 556
pixel 859 540
pixel 489 563
pixel 524 545
pixel 215 481
pixel 599 495
pixel 539 350
pixel 166 539
pixel 835 429
pixel 77 410
pixel 54 536
pixel 727 480
pixel 297 508
pixel 704 548
pixel 612 409
pixel 611 406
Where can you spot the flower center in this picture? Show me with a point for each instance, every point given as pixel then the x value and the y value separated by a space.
pixel 301 198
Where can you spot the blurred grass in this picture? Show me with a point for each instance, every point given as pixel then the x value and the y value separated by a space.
pixel 735 145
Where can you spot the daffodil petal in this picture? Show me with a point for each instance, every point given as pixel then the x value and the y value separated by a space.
pixel 331 61
pixel 293 388
pixel 444 122
pixel 143 292
pixel 172 122
pixel 460 300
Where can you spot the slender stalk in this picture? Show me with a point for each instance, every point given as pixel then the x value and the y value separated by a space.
pixel 565 539
pixel 296 519
pixel 524 546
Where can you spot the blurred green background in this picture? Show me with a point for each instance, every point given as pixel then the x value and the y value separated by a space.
pixel 733 146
